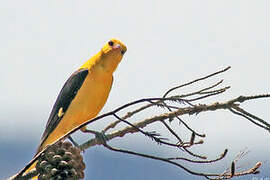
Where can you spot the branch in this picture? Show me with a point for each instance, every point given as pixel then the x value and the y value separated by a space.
pixel 181 111
pixel 176 106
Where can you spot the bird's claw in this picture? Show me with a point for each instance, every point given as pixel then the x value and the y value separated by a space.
pixel 101 138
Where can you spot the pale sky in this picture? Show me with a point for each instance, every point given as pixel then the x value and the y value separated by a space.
pixel 169 43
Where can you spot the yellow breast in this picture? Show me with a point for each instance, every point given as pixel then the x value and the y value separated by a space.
pixel 91 97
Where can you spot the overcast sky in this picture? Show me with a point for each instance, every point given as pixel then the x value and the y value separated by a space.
pixel 169 43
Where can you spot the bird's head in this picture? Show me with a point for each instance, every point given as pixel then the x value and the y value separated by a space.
pixel 114 47
pixel 112 53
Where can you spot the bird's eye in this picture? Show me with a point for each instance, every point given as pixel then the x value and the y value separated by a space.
pixel 110 43
pixel 123 52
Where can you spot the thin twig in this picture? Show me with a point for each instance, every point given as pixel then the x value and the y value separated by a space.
pixel 196 80
pixel 198 161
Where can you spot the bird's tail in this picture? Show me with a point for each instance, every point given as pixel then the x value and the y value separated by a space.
pixel 28 170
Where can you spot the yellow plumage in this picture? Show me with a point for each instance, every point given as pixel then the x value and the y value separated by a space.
pixel 91 95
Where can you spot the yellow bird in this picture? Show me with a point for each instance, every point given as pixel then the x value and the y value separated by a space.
pixel 84 93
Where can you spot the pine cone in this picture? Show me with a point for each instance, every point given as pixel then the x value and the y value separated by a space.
pixel 61 161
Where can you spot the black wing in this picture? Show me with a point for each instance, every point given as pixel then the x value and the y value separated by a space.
pixel 64 99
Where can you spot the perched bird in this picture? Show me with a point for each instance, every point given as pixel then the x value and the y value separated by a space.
pixel 84 93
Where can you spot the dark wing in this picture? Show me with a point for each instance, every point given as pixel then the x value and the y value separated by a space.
pixel 64 99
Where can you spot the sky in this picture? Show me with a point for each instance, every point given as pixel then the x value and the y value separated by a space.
pixel 169 43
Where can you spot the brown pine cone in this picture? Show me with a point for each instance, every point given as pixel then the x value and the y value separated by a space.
pixel 61 161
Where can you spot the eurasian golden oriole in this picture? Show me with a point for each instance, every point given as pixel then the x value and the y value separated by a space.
pixel 84 93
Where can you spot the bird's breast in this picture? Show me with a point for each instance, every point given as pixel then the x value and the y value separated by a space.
pixel 88 101
pixel 92 96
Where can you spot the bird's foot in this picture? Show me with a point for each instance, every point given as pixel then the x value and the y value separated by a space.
pixel 100 136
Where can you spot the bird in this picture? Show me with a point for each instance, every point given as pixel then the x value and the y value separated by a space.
pixel 84 94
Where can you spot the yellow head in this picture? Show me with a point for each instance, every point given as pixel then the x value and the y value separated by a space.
pixel 111 54
pixel 108 57
pixel 115 47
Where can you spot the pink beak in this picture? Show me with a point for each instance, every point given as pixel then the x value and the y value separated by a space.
pixel 116 46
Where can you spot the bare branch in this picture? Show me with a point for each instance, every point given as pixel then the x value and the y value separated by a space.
pixel 196 80
pixel 200 161
pixel 177 106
